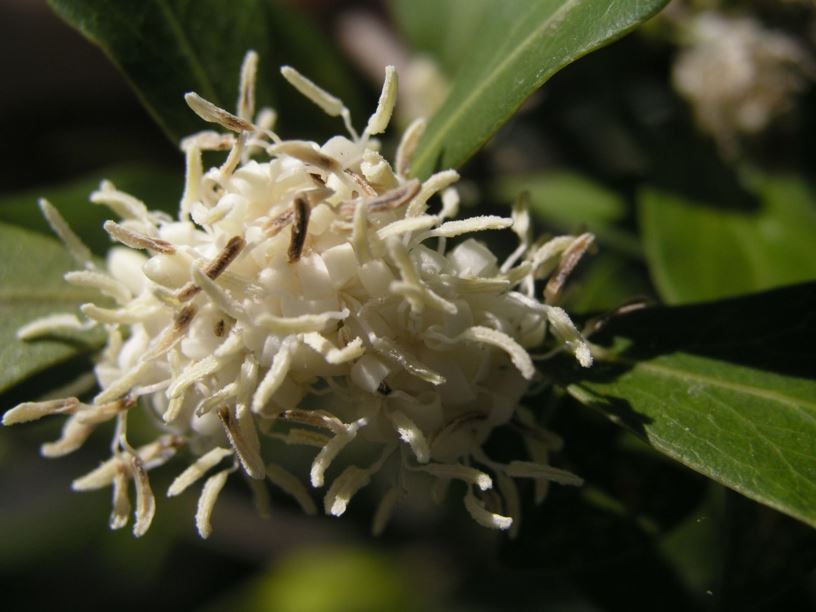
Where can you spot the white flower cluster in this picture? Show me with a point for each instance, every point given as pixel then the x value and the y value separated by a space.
pixel 311 299
pixel 737 74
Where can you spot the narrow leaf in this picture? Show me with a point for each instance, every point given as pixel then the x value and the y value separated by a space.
pixel 520 45
pixel 700 251
pixel 167 48
pixel 726 388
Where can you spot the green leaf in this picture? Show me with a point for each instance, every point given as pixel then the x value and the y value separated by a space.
pixel 159 189
pixel 444 29
pixel 725 388
pixel 169 47
pixel 31 286
pixel 520 44
pixel 571 203
pixel 697 251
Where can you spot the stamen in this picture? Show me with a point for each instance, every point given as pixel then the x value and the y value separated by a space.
pixel 394 198
pixel 327 454
pixel 274 377
pixel 31 411
pixel 407 146
pixel 569 259
pixel 485 517
pixel 458 472
pixel 301 323
pixel 451 229
pixel 330 104
pixel 307 152
pixel 137 240
pixel 435 183
pixel 300 228
pixel 343 488
pixel 227 255
pixel 519 356
pixel 385 106
pixel 102 282
pixel 411 434
pixel 206 502
pixel 197 470
pixel 145 501
pixel 250 458
pixel 52 323
pixel 76 248
pixel 121 203
pixel 246 96
pixel 74 434
pixel 210 113
pixel 121 501
pixel 105 412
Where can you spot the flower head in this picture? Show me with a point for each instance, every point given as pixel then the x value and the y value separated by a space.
pixel 307 294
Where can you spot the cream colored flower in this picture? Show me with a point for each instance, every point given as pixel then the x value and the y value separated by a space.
pixel 307 294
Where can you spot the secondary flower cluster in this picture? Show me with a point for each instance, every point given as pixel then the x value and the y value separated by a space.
pixel 312 299
pixel 738 75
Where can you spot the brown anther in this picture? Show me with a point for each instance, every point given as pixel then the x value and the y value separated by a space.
pixel 137 240
pixel 225 257
pixel 188 292
pixel 305 152
pixel 211 113
pixel 363 184
pixel 569 259
pixel 184 317
pixel 390 200
pixel 305 417
pixel 300 228
pixel 383 388
pixel 274 226
pixel 220 326
pixel 215 268
pixel 395 198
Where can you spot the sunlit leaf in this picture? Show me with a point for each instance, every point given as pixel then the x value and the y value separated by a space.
pixel 726 388
pixel 519 46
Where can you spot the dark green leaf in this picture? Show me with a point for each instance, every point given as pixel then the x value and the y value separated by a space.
pixel 697 251
pixel 520 44
pixel 573 203
pixel 169 47
pixel 31 286
pixel 726 388
pixel 159 189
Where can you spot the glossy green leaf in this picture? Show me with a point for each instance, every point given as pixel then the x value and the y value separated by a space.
pixel 159 189
pixel 169 47
pixel 726 388
pixel 520 44
pixel 31 286
pixel 571 203
pixel 698 251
